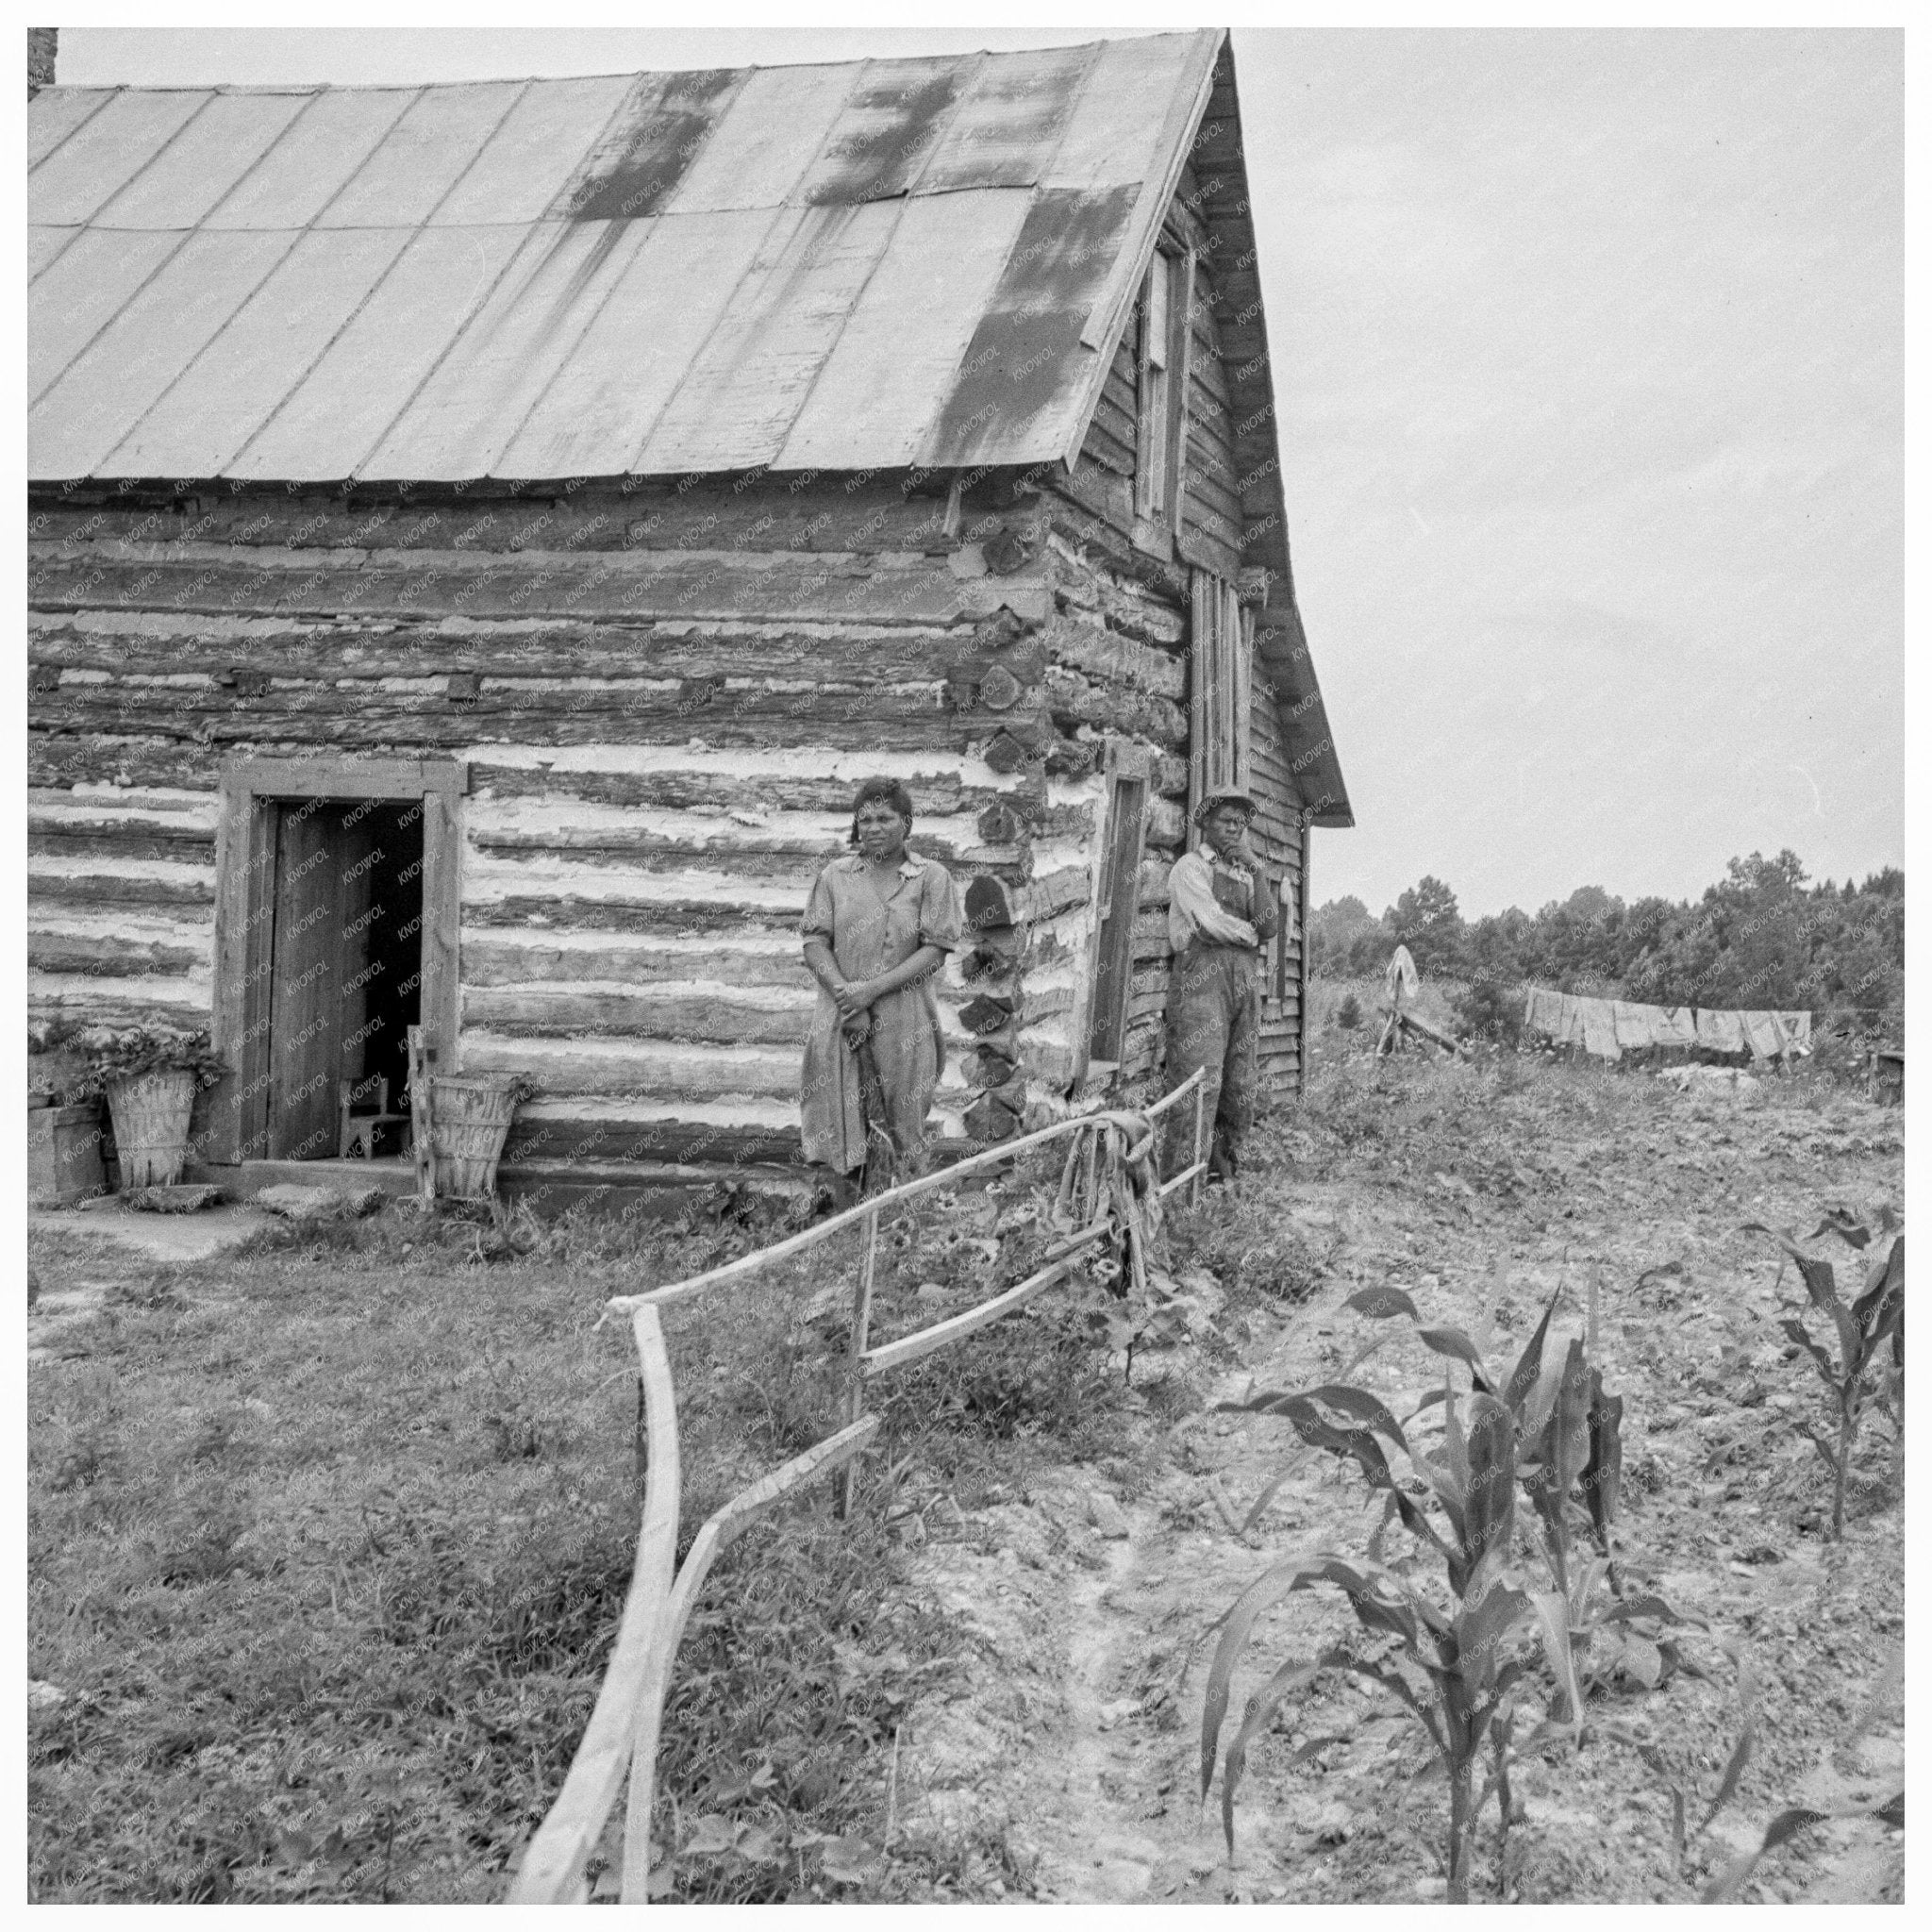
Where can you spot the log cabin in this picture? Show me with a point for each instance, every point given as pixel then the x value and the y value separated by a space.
pixel 480 533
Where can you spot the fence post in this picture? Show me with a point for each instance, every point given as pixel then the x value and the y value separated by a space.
pixel 861 1335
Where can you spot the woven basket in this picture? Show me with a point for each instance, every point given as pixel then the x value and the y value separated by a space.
pixel 470 1121
pixel 151 1114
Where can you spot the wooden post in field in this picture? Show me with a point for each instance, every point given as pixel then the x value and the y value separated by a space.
pixel 861 1335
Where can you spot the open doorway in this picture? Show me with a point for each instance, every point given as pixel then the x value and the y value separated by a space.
pixel 335 933
pixel 344 983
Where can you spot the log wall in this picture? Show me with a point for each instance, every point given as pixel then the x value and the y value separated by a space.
pixel 665 699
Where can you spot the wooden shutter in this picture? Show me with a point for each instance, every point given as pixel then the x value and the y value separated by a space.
pixel 1220 683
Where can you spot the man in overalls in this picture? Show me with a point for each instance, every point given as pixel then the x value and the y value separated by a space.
pixel 1221 917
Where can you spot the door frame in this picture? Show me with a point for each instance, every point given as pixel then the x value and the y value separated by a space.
pixel 245 914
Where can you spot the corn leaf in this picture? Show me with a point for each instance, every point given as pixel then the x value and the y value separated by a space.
pixel 1845 1224
pixel 1529 1364
pixel 1359 1445
pixel 1603 1474
pixel 1260 1710
pixel 1651 1607
pixel 1490 1513
pixel 1566 1448
pixel 1826 1367
pixel 1553 1622
pixel 1362 1406
pixel 1787 1824
pixel 1379 1304
pixel 1269 1588
pixel 1481 1626
pixel 1454 1343
pixel 1734 1770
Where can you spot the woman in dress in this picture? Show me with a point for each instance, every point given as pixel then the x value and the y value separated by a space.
pixel 877 927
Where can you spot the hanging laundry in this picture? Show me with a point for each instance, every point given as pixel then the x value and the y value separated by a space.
pixel 1600 1028
pixel 1721 1032
pixel 1764 1034
pixel 1543 1013
pixel 1798 1028
pixel 1675 1027
pixel 1635 1024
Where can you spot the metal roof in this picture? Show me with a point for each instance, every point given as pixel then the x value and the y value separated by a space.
pixel 874 264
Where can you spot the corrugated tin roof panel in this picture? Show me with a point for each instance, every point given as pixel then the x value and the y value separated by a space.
pixel 837 267
pixel 212 153
pixel 105 152
pixel 106 390
pixel 595 416
pixel 309 166
pixel 882 385
pixel 340 410
pixel 423 156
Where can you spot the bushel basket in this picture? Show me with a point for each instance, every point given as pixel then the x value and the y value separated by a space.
pixel 470 1117
pixel 151 1114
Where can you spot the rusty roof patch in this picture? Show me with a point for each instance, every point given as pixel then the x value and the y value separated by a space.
pixel 1017 362
pixel 891 125
pixel 650 144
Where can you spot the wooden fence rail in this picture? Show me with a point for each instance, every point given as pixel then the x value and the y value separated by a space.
pixel 621 1735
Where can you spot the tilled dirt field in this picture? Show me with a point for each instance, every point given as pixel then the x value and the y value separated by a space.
pixel 1072 1736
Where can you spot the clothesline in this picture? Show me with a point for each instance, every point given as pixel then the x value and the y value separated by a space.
pixel 1607 1027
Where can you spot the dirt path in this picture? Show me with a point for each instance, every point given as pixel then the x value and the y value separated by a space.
pixel 1072 1742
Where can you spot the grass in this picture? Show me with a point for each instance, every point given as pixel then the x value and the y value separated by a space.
pixel 329 1541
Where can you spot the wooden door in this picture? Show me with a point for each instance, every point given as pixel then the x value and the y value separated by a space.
pixel 1119 895
pixel 321 945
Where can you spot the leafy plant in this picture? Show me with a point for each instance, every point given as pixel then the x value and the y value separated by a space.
pixel 1548 1430
pixel 1861 1330
pixel 1348 1015
pixel 123 1052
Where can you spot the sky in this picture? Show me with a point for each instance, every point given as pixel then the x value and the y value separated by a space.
pixel 1588 353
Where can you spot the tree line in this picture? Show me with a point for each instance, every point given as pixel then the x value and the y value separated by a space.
pixel 1763 936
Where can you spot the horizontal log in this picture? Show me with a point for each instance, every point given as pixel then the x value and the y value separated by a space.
pixel 492 957
pixel 111 957
pixel 934 794
pixel 764 513
pixel 656 1013
pixel 744 851
pixel 826 587
pixel 317 651
pixel 589 1140
pixel 1087 506
pixel 125 1003
pixel 568 911
pixel 1111 657
pixel 614 1066
pixel 180 887
pixel 353 723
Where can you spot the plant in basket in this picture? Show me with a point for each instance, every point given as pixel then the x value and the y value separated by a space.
pixel 150 1075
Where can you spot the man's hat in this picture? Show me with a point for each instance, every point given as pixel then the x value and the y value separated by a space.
pixel 1227 795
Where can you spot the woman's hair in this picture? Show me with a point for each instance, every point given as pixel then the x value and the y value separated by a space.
pixel 887 789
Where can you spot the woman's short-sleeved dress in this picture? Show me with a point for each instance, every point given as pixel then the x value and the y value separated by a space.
pixel 870 933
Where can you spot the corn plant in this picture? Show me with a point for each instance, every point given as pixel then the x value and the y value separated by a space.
pixel 1863 1329
pixel 1448 1664
pixel 1548 1429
